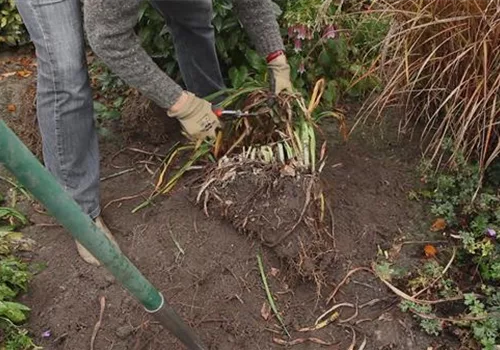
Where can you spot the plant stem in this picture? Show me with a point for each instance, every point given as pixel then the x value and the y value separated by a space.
pixel 270 298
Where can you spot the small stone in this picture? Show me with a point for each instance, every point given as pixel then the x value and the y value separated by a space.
pixel 124 331
pixel 109 278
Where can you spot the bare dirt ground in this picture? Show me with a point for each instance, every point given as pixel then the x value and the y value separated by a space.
pixel 208 271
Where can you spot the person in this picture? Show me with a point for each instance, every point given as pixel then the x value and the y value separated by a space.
pixel 110 28
pixel 64 97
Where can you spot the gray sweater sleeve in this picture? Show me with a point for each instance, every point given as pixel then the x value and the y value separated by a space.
pixel 110 30
pixel 259 21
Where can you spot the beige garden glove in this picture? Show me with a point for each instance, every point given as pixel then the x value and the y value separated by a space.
pixel 197 117
pixel 280 74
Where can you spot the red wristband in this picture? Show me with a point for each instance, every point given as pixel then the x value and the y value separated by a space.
pixel 274 55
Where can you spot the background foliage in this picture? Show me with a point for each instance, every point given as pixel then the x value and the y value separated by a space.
pixel 336 45
pixel 14 279
pixel 12 31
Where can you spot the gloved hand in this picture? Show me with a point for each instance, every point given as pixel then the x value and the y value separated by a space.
pixel 196 117
pixel 280 74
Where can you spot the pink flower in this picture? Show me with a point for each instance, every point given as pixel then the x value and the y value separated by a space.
pixel 297 43
pixel 301 32
pixel 491 233
pixel 330 32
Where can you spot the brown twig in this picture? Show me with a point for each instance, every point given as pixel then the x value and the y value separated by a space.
pixel 452 320
pixel 137 150
pixel 333 308
pixel 405 296
pixel 99 322
pixel 397 291
pixel 423 242
pixel 440 276
pixel 123 172
pixel 353 343
pixel 126 198
pixel 349 274
pixel 354 315
pixel 304 340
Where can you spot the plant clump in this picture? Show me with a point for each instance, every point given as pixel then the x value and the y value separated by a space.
pixel 266 180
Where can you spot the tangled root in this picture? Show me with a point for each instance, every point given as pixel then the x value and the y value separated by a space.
pixel 285 210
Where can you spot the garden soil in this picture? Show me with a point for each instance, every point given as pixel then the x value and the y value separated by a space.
pixel 208 271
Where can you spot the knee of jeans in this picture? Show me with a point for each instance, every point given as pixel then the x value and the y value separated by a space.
pixel 69 68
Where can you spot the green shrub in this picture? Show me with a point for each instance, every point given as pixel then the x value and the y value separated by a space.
pixel 12 31
pixel 336 43
pixel 14 279
pixel 336 46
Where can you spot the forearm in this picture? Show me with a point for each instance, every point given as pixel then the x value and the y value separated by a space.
pixel 110 29
pixel 261 25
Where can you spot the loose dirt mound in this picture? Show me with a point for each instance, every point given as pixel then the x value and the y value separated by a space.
pixel 208 271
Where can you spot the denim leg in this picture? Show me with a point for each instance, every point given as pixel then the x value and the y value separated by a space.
pixel 190 22
pixel 64 97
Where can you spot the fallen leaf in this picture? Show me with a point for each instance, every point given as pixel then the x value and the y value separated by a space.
pixel 430 251
pixel 438 225
pixel 274 271
pixel 265 311
pixel 25 61
pixel 322 324
pixel 24 73
pixel 11 108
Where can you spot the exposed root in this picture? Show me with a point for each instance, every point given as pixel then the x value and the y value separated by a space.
pixel 345 280
pixel 304 340
pixel 301 218
pixel 259 200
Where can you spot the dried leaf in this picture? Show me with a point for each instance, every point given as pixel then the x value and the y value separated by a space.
pixel 322 324
pixel 265 311
pixel 274 271
pixel 430 251
pixel 438 225
pixel 24 73
pixel 26 61
pixel 11 108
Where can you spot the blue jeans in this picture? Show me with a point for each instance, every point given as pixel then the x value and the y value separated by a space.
pixel 64 97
